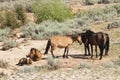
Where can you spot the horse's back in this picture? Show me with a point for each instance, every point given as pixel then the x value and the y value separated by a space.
pixel 61 41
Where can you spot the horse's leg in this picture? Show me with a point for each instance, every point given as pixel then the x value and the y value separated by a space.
pixel 67 52
pixel 52 48
pixel 85 50
pixel 91 51
pixel 106 51
pixel 88 49
pixel 101 52
pixel 96 50
pixel 64 52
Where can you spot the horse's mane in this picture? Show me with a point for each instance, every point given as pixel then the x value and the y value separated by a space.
pixel 73 36
pixel 89 33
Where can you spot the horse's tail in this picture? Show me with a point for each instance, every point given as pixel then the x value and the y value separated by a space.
pixel 47 47
pixel 101 46
pixel 107 44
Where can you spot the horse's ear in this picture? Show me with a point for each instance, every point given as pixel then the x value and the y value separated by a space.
pixel 27 56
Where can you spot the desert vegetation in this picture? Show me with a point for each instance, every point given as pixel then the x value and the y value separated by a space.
pixel 56 17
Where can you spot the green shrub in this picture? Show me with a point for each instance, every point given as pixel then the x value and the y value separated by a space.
pixel 53 64
pixel 3 64
pixel 117 8
pixel 4 33
pixel 11 19
pixel 51 10
pixel 48 28
pixel 113 24
pixel 104 1
pixel 9 43
pixel 2 20
pixel 100 14
pixel 89 2
pixel 116 1
pixel 117 62
pixel 20 13
pixel 108 64
pixel 83 65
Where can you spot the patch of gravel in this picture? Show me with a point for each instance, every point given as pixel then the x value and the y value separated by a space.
pixel 71 74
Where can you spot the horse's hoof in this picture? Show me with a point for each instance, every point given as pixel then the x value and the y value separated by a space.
pixel 63 56
pixel 91 57
pixel 100 58
pixel 85 54
pixel 106 54
pixel 67 57
pixel 89 54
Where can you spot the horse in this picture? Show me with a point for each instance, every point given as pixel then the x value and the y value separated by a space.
pixel 98 39
pixel 35 54
pixel 23 61
pixel 85 42
pixel 62 42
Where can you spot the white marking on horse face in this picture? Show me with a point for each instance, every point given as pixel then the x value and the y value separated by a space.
pixel 28 58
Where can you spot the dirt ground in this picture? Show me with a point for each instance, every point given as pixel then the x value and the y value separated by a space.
pixel 76 54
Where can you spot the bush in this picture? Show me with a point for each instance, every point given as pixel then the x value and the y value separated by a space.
pixel 9 43
pixel 20 13
pixel 117 62
pixel 100 14
pixel 2 20
pixel 108 64
pixel 117 8
pixel 48 28
pixel 104 1
pixel 51 10
pixel 53 64
pixel 83 65
pixel 3 64
pixel 89 2
pixel 114 24
pixel 4 33
pixel 11 19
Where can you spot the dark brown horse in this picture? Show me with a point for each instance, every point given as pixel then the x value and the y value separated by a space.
pixel 98 39
pixel 85 42
pixel 62 42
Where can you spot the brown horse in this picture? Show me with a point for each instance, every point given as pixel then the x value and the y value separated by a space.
pixel 85 42
pixel 98 39
pixel 35 54
pixel 62 42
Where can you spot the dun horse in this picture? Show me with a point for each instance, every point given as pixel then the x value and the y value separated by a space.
pixel 99 38
pixel 62 42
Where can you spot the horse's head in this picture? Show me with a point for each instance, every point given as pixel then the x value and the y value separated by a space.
pixel 31 53
pixel 79 39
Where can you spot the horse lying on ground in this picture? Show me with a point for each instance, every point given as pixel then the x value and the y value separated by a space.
pixel 35 54
pixel 24 61
pixel 98 39
pixel 62 42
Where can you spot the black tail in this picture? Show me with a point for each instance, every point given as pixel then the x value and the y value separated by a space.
pixel 107 45
pixel 47 47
